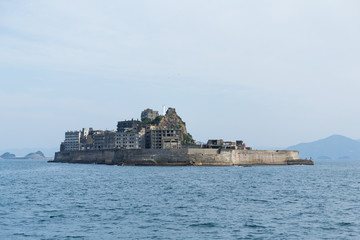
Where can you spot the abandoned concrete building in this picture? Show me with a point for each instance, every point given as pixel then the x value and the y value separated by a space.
pixel 104 140
pixel 75 140
pixel 72 141
pixel 219 143
pixel 161 139
pixel 127 125
pixel 149 113
pixel 129 139
pixel 135 134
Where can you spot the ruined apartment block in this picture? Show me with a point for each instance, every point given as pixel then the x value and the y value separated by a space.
pixel 149 113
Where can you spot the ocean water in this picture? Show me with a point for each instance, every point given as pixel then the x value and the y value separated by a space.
pixel 40 200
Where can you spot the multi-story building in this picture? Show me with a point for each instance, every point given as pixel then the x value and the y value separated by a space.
pixel 104 140
pixel 149 113
pixel 130 135
pixel 162 139
pixel 109 141
pixel 127 125
pixel 72 141
pixel 98 141
pixel 128 140
pixel 75 140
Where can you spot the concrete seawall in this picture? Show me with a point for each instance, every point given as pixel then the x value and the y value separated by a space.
pixel 183 157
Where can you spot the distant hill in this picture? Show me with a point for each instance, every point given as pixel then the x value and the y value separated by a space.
pixel 35 155
pixel 49 152
pixel 333 147
pixel 8 155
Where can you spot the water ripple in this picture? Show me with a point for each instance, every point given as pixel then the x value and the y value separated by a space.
pixel 74 201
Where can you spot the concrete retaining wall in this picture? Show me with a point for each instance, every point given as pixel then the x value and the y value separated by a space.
pixel 180 157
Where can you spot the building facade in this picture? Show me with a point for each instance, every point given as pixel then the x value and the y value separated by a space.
pixel 128 140
pixel 104 140
pixel 72 141
pixel 163 139
pixel 149 113
pixel 109 140
pixel 130 134
pixel 98 141
pixel 127 125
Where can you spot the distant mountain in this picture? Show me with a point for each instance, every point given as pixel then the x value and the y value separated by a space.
pixel 333 147
pixel 8 155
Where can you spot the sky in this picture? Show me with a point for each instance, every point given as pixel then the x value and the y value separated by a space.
pixel 272 73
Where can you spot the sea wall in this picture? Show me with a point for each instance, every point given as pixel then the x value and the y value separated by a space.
pixel 167 157
pixel 264 157
pixel 241 157
pixel 182 157
pixel 99 157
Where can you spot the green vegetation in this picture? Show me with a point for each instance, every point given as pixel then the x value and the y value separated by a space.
pixel 146 121
pixel 188 139
pixel 156 121
pixel 178 127
pixel 182 121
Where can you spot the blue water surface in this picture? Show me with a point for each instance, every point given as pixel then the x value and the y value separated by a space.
pixel 40 200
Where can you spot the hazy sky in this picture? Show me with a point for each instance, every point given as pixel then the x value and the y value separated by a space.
pixel 273 73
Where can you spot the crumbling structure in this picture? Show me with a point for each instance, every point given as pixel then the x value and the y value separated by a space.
pixel 163 140
pixel 153 132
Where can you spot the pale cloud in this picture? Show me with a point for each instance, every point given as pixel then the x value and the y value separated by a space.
pixel 248 60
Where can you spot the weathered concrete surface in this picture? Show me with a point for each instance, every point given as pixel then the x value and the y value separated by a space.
pixel 99 157
pixel 300 162
pixel 183 157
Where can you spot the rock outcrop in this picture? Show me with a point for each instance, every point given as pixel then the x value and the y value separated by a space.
pixel 172 121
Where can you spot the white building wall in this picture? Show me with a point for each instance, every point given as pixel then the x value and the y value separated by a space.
pixel 127 140
pixel 72 141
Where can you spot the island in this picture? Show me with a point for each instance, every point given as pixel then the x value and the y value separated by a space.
pixel 162 140
pixel 34 155
pixel 7 155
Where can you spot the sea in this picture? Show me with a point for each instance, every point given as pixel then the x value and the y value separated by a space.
pixel 41 200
